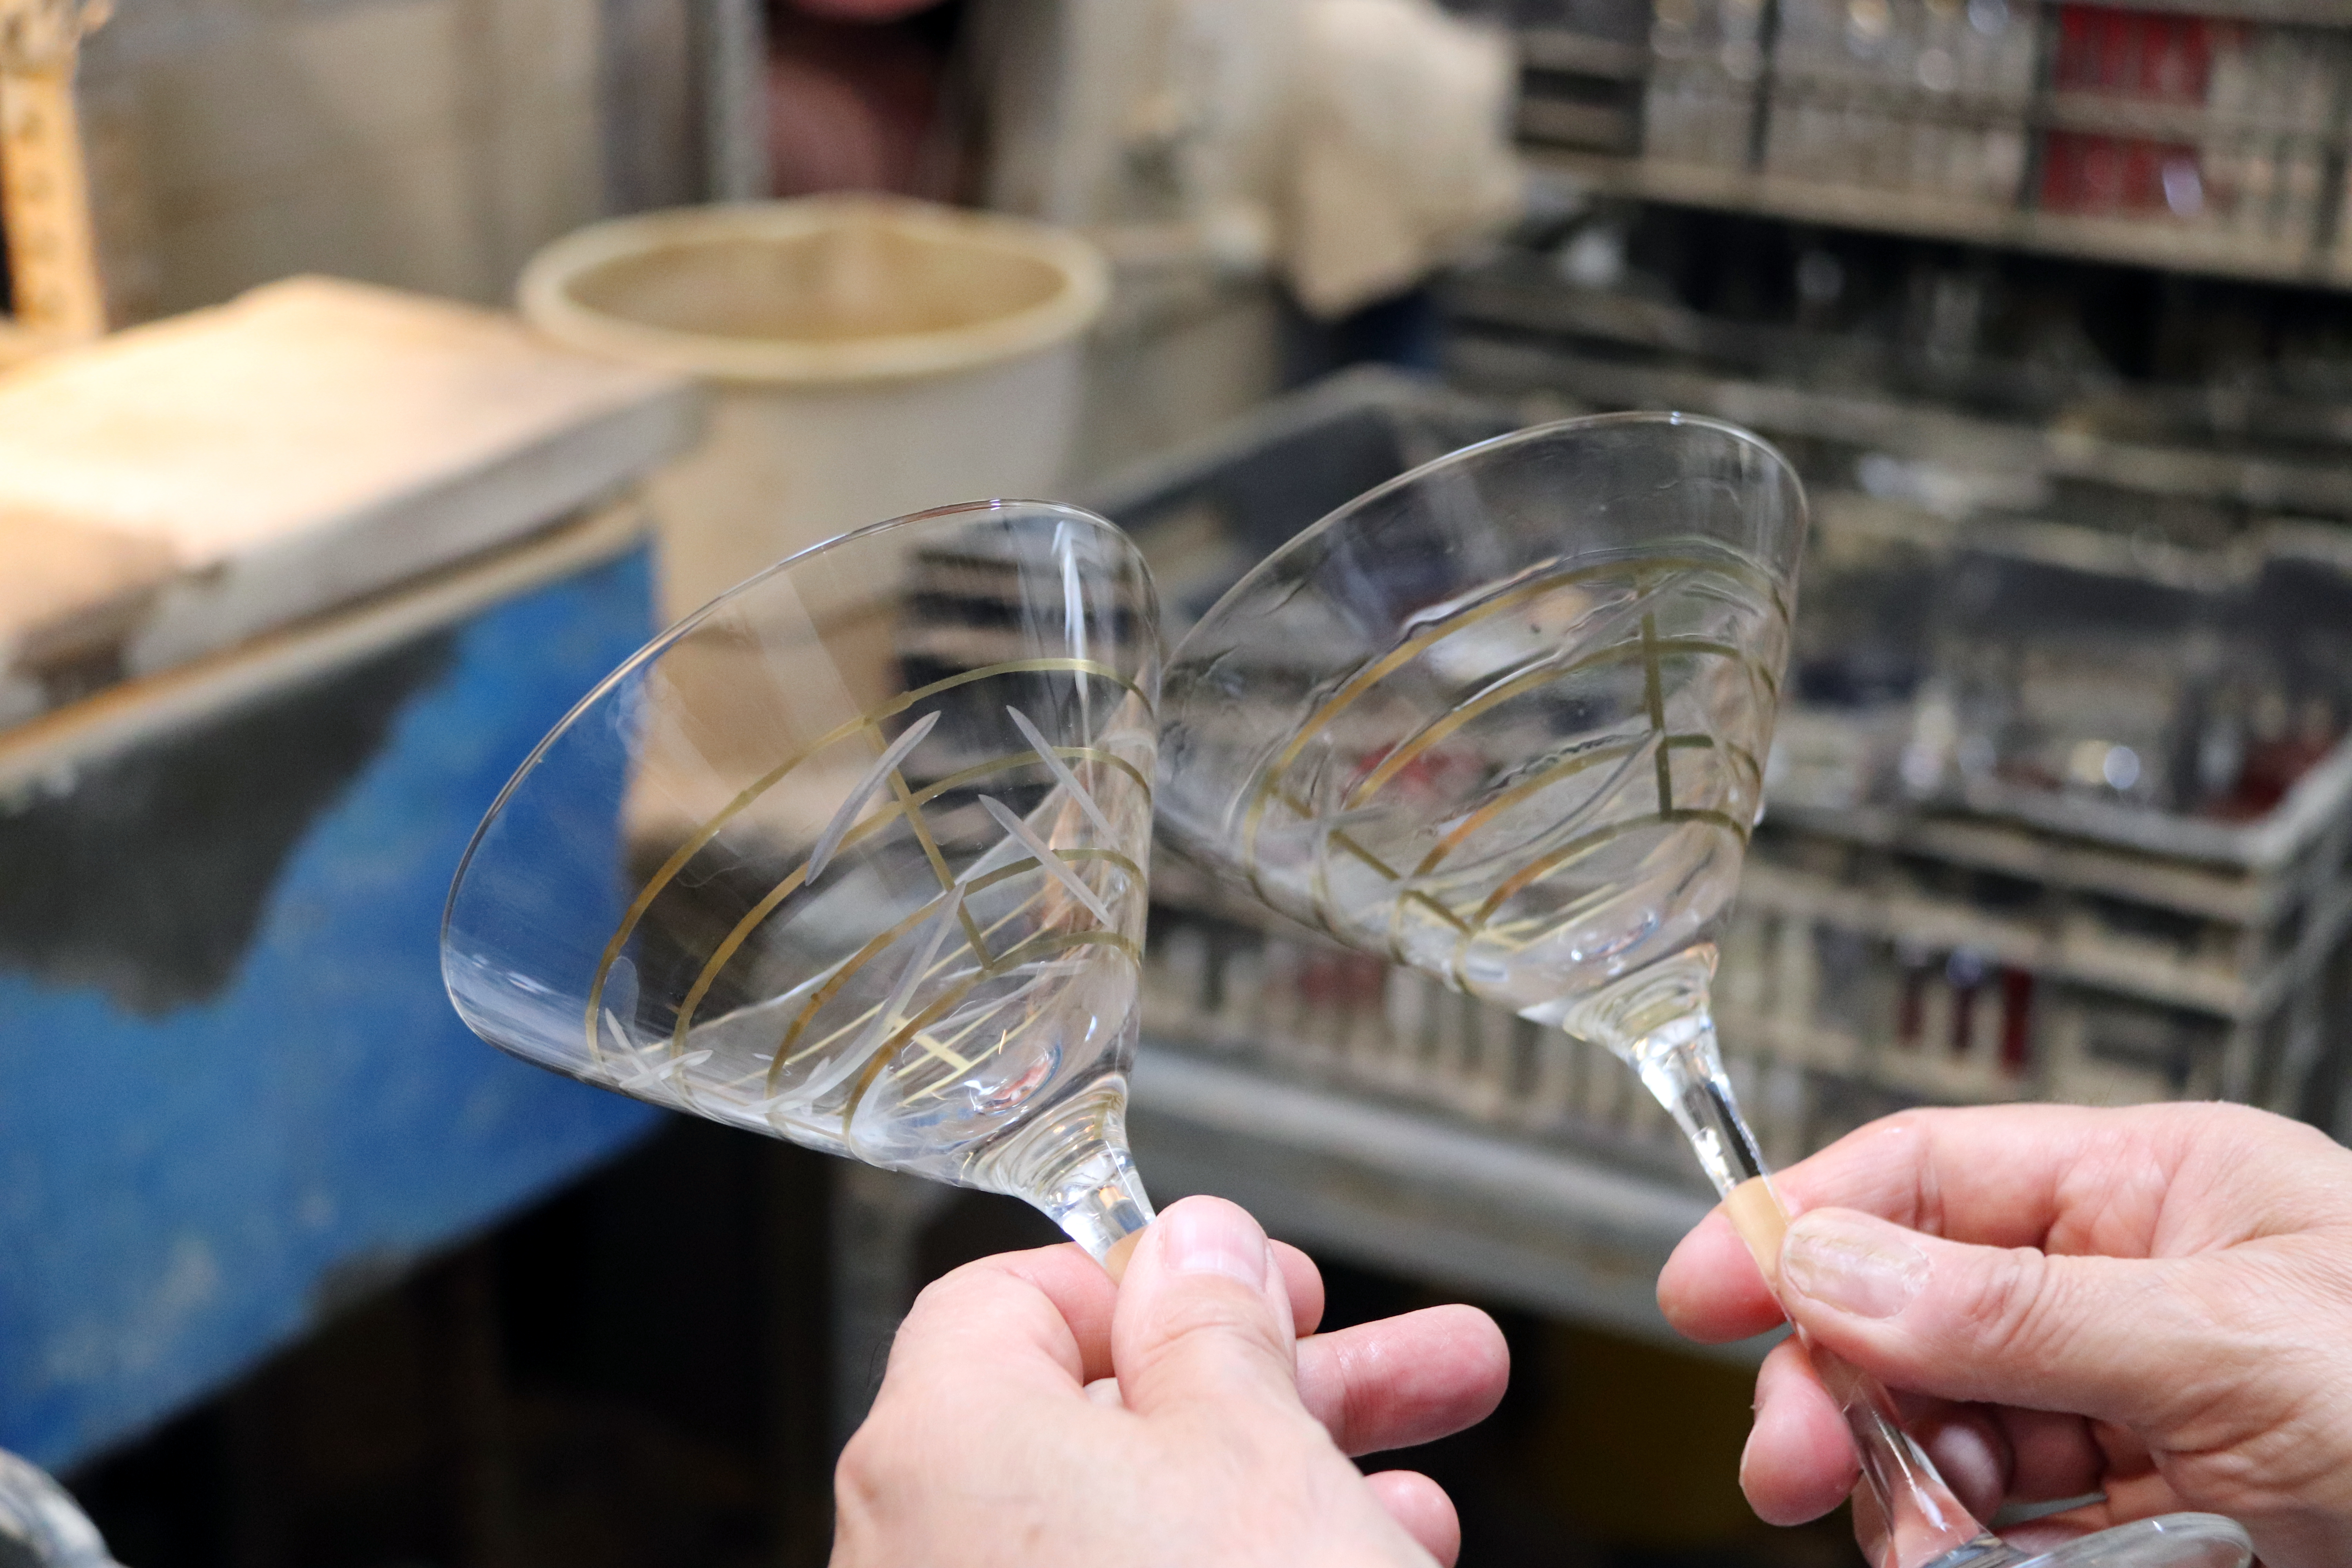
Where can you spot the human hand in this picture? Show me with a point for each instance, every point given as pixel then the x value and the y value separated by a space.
pixel 2154 1302
pixel 1000 1437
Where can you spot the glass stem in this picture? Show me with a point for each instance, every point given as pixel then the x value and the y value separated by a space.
pixel 1658 1022
pixel 1073 1165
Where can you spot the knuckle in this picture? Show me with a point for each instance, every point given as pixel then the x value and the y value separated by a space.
pixel 2009 1308
pixel 862 1477
pixel 1216 1311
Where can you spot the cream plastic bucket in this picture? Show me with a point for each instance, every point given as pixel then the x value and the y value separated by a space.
pixel 865 357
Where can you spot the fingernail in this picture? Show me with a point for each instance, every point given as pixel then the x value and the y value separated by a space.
pixel 1213 1239
pixel 1852 1263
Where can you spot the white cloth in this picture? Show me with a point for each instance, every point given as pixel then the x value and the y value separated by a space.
pixel 1400 158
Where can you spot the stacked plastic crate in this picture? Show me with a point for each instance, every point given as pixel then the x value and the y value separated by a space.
pixel 1909 95
pixel 2085 835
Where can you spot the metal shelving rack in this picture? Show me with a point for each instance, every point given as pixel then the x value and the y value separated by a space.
pixel 1957 949
pixel 1601 113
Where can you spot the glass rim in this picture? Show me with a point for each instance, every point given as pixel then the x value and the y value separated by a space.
pixel 669 636
pixel 1463 456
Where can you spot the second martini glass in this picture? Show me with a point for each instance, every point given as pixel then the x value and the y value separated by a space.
pixel 1503 720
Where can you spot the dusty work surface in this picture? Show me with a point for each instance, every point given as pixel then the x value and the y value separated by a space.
pixel 184 486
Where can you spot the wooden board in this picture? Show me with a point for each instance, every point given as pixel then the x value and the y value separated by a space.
pixel 304 446
pixel 45 209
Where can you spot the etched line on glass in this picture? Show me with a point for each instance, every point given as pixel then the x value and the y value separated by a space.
pixel 1061 772
pixel 790 1050
pixel 1052 864
pixel 830 839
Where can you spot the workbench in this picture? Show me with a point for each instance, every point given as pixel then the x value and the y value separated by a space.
pixel 254 734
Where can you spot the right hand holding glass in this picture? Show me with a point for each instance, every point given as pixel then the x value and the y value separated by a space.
pixel 2154 1303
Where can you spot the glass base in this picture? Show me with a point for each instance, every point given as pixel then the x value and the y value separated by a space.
pixel 2168 1541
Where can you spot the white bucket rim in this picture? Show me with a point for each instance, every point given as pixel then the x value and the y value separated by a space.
pixel 544 293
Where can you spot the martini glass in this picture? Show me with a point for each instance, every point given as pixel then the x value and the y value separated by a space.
pixel 1503 720
pixel 884 813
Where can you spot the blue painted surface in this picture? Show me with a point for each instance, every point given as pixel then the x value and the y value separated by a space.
pixel 173 1190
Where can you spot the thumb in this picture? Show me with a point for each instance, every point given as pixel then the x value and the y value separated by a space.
pixel 2103 1337
pixel 1203 1315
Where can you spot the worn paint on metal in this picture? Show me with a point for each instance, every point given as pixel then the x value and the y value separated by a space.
pixel 196 1163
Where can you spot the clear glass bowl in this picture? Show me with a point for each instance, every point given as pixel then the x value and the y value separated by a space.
pixel 855 856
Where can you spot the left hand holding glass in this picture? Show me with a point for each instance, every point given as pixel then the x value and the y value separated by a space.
pixel 1034 1414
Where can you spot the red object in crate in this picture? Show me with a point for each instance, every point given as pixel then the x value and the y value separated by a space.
pixel 2016 1019
pixel 2146 58
pixel 2166 59
pixel 2081 173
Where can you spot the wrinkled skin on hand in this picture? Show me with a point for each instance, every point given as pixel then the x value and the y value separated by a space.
pixel 1036 1414
pixel 2154 1303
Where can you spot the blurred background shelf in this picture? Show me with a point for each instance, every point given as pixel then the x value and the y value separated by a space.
pixel 2297 13
pixel 1935 215
pixel 1548 1228
pixel 2205 138
pixel 2001 861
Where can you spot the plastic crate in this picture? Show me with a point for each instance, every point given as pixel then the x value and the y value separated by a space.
pixel 1918 923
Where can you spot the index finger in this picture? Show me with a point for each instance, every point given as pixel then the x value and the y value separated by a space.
pixel 2062 1178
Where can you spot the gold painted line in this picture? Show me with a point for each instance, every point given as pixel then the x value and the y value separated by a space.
pixel 908 804
pixel 726 950
pixel 1512 796
pixel 964 1063
pixel 1530 873
pixel 1520 684
pixel 743 928
pixel 1545 865
pixel 992 1011
pixel 785 1055
pixel 1413 647
pixel 941 1052
pixel 1318 877
pixel 1053 942
pixel 1534 871
pixel 994 1050
pixel 1653 689
pixel 835 981
pixel 761 785
pixel 1381 669
pixel 994 766
pixel 891 1047
pixel 845 814
pixel 1732 749
pixel 1353 846
pixel 1519 792
pixel 1050 944
pixel 782 1061
pixel 661 879
pixel 922 832
pixel 1345 840
pixel 733 942
pixel 1108 759
pixel 921 828
pixel 1439 910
